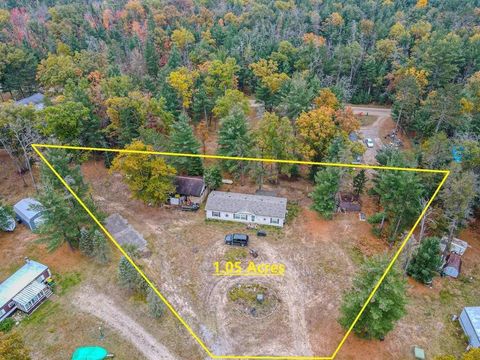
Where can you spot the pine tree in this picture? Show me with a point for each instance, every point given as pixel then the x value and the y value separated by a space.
pixel 359 182
pixel 6 215
pixel 426 260
pixel 386 307
pixel 155 304
pixel 183 141
pixel 129 277
pixel 327 182
pixel 151 58
pixel 212 177
pixel 234 140
pixel 65 218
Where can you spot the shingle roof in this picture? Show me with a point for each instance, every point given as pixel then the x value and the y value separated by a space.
pixel 259 205
pixel 19 280
pixel 189 185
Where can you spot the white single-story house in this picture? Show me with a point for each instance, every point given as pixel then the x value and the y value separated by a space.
pixel 246 208
pixel 470 322
pixel 25 289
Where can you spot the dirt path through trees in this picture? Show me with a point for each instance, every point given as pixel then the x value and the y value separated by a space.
pixel 101 306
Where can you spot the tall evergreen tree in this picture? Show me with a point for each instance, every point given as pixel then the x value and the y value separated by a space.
pixel 234 140
pixel 327 182
pixel 64 218
pixel 183 141
pixel 426 260
pixel 386 307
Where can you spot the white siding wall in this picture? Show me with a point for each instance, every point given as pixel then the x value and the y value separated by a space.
pixel 262 220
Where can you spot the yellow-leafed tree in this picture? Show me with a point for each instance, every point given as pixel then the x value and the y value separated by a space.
pixel 183 80
pixel 148 176
pixel 315 130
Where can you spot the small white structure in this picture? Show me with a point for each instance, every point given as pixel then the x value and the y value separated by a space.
pixel 29 211
pixel 457 246
pixel 470 322
pixel 258 209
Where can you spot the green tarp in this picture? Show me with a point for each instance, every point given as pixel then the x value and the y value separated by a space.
pixel 90 353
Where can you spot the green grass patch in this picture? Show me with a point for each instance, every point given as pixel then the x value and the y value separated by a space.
pixel 6 325
pixel 356 255
pixel 293 209
pixel 366 120
pixel 247 293
pixel 235 254
pixel 67 281
pixel 43 312
pixel 446 297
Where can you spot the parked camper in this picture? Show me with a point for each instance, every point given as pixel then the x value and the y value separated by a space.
pixel 29 211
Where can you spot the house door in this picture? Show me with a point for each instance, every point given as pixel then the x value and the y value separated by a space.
pixel 253 217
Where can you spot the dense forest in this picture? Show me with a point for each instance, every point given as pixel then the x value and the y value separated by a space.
pixel 169 75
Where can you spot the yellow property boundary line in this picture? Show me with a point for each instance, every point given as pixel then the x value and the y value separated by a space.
pixel 446 173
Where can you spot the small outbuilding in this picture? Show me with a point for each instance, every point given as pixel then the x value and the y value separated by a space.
pixel 29 211
pixel 25 289
pixel 453 265
pixel 246 208
pixel 189 189
pixel 37 100
pixel 470 322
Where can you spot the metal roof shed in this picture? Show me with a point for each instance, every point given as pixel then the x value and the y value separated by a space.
pixel 28 211
pixel 470 322
pixel 37 100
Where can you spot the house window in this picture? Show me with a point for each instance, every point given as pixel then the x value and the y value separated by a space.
pixel 240 216
pixel 274 221
pixel 11 304
pixel 216 213
pixel 253 217
pixel 2 312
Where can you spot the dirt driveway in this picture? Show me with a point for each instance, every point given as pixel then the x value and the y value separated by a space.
pixel 373 131
pixel 94 303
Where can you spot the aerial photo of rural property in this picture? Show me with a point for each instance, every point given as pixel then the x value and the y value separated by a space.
pixel 240 179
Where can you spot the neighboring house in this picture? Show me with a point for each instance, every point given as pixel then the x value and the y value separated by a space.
pixel 28 211
pixel 258 209
pixel 470 322
pixel 189 188
pixel 25 290
pixel 37 100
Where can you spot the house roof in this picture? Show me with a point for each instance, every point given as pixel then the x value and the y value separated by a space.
pixel 259 205
pixel 24 207
pixel 29 292
pixel 35 100
pixel 189 185
pixel 473 314
pixel 19 280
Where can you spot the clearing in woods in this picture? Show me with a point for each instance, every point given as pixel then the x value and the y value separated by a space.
pixel 284 291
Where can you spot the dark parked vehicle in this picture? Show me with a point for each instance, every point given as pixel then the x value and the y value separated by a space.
pixel 261 233
pixel 190 207
pixel 236 239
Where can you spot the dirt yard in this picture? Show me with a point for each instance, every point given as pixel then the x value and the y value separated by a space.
pixel 321 258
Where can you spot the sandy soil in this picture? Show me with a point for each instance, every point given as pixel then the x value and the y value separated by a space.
pixel 95 303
